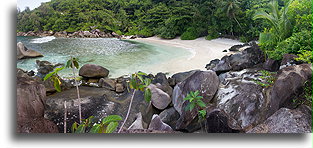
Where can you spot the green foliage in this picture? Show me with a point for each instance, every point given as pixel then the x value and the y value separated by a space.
pixel 306 97
pixel 305 56
pixel 190 34
pixel 107 125
pixel 267 78
pixel 73 62
pixel 194 100
pixel 298 43
pixel 140 81
pixel 54 78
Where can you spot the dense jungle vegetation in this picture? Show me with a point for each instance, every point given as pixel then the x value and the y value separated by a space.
pixel 282 26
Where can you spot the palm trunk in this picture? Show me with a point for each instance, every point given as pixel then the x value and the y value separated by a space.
pixel 130 104
pixel 77 90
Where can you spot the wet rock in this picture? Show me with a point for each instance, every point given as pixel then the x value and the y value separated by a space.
pixel 287 121
pixel 170 117
pixel 107 83
pixel 271 65
pixel 147 114
pixel 159 98
pixel 93 71
pixel 23 52
pixel 206 82
pixel 138 123
pixel 30 106
pixel 157 124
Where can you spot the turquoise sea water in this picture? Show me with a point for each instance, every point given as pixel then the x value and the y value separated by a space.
pixel 121 57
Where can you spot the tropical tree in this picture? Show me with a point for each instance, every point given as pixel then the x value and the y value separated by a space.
pixel 231 8
pixel 277 18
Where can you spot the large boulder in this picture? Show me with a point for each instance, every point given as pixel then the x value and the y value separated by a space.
pixel 250 104
pixel 287 121
pixel 97 102
pixel 159 98
pixel 23 52
pixel 30 97
pixel 288 85
pixel 93 71
pixel 248 58
pixel 160 78
pixel 157 124
pixel 179 77
pixel 107 83
pixel 242 99
pixel 206 82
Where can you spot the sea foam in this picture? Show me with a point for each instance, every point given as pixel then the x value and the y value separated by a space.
pixel 43 39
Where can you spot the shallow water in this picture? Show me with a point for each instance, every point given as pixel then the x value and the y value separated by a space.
pixel 121 57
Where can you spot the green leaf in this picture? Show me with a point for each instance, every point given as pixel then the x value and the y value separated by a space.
pixel 199 97
pixel 48 75
pixel 111 127
pixel 58 69
pixel 192 106
pixel 142 74
pixel 81 129
pixel 147 95
pixel 68 64
pixel 147 81
pixel 196 93
pixel 95 128
pixel 74 127
pixel 201 103
pixel 140 78
pixel 111 118
pixel 76 64
pixel 56 84
pixel 202 113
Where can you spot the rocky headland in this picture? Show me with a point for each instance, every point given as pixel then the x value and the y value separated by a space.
pixel 237 96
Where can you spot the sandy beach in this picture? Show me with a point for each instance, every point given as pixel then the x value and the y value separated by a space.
pixel 202 51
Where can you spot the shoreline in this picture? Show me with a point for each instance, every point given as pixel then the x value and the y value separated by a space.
pixel 202 52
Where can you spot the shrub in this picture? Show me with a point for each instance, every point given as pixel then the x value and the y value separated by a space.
pixel 296 44
pixel 190 34
pixel 145 32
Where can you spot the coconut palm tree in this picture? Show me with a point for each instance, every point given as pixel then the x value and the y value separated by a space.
pixel 278 20
pixel 231 8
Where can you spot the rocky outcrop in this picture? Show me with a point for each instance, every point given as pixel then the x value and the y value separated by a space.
pixel 206 82
pixel 287 121
pixel 107 83
pixel 248 58
pixel 157 124
pixel 242 99
pixel 159 98
pixel 31 97
pixel 93 71
pixel 96 102
pixel 288 60
pixel 289 84
pixel 23 52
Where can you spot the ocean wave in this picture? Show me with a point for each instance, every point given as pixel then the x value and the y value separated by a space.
pixel 43 39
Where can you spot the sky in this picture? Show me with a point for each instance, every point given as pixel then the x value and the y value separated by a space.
pixel 32 4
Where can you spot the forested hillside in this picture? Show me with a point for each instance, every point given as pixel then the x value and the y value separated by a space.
pixel 167 18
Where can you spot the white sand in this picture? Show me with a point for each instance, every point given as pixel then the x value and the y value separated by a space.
pixel 202 52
